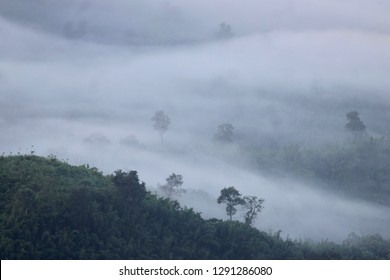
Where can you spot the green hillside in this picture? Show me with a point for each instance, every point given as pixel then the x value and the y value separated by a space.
pixel 52 210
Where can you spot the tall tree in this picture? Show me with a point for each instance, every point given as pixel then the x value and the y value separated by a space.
pixel 252 205
pixel 173 186
pixel 231 197
pixel 161 123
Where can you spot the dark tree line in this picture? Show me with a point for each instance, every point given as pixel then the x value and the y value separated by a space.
pixel 52 210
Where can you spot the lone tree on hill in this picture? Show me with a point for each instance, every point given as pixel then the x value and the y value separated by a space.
pixel 231 197
pixel 161 123
pixel 173 186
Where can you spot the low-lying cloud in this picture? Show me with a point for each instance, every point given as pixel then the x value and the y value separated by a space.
pixel 72 84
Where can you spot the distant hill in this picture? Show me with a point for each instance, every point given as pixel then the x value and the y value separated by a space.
pixel 52 210
pixel 358 168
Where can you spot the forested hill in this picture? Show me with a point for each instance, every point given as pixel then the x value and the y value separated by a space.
pixel 52 210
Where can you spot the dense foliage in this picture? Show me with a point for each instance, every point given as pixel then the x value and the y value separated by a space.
pixel 52 210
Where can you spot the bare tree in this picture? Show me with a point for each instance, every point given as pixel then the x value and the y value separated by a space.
pixel 252 206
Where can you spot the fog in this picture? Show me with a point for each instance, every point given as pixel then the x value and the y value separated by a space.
pixel 82 79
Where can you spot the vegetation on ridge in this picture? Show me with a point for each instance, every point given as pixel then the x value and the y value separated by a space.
pixel 52 210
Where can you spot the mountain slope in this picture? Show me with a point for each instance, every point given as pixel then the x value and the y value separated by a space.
pixel 52 210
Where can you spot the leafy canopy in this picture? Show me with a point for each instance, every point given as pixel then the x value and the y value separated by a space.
pixel 231 197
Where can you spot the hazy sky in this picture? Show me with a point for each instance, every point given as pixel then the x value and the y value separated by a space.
pixel 81 79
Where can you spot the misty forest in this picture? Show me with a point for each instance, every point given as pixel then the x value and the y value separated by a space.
pixel 191 129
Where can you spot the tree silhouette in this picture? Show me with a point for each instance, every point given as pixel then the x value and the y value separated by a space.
pixel 355 124
pixel 231 197
pixel 173 186
pixel 225 31
pixel 224 133
pixel 161 123
pixel 253 206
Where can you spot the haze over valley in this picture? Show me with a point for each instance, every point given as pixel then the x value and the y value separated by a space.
pixel 81 80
